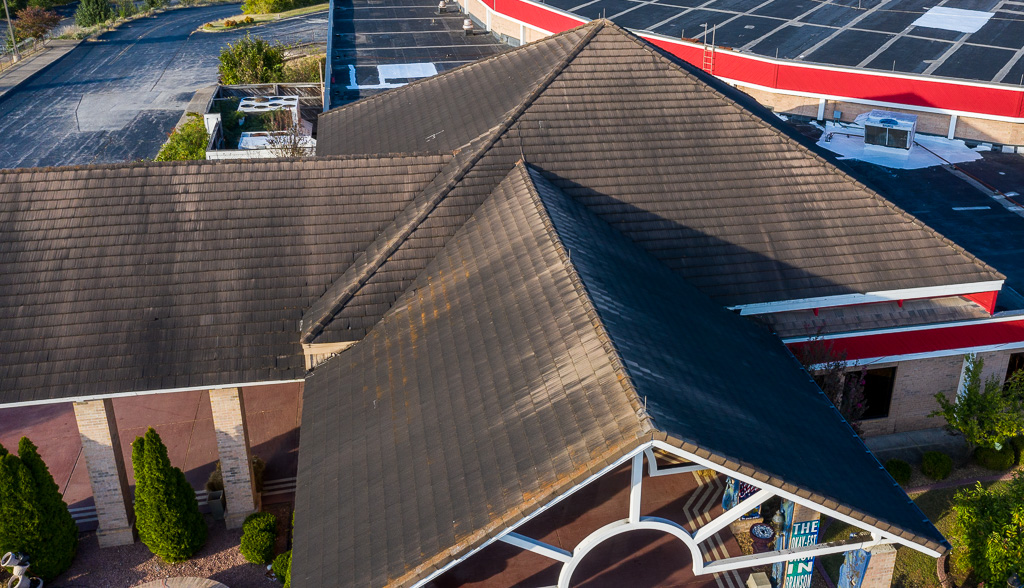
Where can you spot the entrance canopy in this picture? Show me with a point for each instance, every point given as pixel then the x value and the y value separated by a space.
pixel 540 348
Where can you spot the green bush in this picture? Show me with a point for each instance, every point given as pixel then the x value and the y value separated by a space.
pixel 1018 447
pixel 259 531
pixel 269 6
pixel 282 567
pixel 187 142
pixel 993 459
pixel 304 70
pixel 126 8
pixel 93 12
pixel 33 516
pixel 154 4
pixel 251 60
pixel 166 511
pixel 899 470
pixel 936 465
pixel 989 525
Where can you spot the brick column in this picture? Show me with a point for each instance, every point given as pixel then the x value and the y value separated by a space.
pixel 233 447
pixel 101 447
pixel 880 567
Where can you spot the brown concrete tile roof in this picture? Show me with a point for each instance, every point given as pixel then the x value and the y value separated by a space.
pixel 168 275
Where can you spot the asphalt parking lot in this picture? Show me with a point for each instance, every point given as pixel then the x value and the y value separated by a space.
pixel 116 99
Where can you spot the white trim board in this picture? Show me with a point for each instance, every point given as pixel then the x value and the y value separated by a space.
pixel 86 398
pixel 869 297
pixel 878 536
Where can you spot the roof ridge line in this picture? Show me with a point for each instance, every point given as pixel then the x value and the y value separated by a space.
pixel 470 65
pixel 618 363
pixel 872 193
pixel 392 237
pixel 647 421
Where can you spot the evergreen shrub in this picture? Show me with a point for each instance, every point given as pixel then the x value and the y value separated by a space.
pixel 93 12
pixel 936 465
pixel 166 511
pixel 33 517
pixel 259 531
pixel 282 567
pixel 899 470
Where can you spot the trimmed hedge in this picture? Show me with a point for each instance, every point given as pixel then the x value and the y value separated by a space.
pixel 282 567
pixel 937 465
pixel 259 531
pixel 999 460
pixel 1018 447
pixel 899 470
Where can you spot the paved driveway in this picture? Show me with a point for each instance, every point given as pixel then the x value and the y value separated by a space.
pixel 116 99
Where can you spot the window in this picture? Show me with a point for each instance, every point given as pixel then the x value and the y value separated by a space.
pixel 1016 364
pixel 878 385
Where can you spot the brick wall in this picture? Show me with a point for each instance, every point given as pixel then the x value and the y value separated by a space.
pixel 101 447
pixel 917 382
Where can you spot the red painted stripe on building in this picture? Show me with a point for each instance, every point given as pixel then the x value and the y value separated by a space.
pixel 786 76
pixel 924 340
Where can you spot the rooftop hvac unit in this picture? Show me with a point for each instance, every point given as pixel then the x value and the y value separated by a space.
pixel 889 129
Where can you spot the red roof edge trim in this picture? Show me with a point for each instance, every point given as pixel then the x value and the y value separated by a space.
pixel 918 342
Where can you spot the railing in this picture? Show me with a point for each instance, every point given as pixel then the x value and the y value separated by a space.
pixel 25 48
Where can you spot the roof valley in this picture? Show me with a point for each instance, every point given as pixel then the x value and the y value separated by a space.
pixel 323 311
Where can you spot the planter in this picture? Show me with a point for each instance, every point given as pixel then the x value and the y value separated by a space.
pixel 215 500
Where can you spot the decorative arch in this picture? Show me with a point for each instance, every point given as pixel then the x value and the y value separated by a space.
pixel 592 541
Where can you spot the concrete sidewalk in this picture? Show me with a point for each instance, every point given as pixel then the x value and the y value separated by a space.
pixel 33 64
pixel 912 445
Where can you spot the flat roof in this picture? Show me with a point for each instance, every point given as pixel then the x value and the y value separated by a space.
pixel 870 34
pixel 396 32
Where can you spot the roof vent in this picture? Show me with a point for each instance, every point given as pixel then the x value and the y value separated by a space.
pixel 467 26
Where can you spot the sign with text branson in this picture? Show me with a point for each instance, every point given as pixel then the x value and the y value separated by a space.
pixel 798 572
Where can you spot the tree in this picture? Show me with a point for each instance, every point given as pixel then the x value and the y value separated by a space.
pixel 989 527
pixel 845 389
pixel 33 517
pixel 166 511
pixel 988 415
pixel 289 139
pixel 93 12
pixel 251 60
pixel 34 22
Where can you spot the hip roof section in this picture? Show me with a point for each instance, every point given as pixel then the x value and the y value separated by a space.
pixel 693 171
pixel 517 366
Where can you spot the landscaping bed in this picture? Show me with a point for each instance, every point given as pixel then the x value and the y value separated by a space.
pixel 245 20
